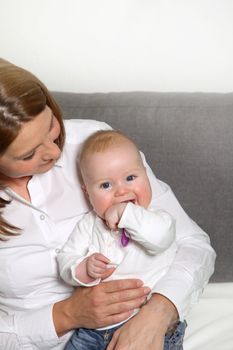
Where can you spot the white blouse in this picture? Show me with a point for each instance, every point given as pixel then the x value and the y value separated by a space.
pixel 29 279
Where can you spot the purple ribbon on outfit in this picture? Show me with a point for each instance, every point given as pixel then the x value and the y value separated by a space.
pixel 124 238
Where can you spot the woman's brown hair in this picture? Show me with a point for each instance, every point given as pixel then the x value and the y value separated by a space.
pixel 22 97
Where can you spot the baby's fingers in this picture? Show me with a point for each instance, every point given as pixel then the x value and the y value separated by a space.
pixel 112 225
pixel 107 273
pixel 101 258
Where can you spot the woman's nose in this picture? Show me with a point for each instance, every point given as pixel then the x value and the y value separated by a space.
pixel 51 151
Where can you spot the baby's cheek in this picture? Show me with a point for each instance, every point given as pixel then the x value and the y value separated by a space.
pixel 146 197
pixel 100 206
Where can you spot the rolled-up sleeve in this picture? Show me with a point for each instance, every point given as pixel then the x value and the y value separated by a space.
pixel 32 329
pixel 193 264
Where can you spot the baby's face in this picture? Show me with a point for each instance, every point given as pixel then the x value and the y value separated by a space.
pixel 114 176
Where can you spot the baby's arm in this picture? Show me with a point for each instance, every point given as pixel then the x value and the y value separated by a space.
pixel 153 229
pixel 91 268
pixel 74 255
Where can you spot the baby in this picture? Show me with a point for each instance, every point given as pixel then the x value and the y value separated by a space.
pixel 123 231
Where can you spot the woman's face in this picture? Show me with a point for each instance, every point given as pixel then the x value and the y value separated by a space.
pixel 33 151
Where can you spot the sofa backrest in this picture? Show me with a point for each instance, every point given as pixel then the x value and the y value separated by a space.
pixel 188 141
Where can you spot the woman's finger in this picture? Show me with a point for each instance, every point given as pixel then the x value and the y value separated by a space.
pixel 121 285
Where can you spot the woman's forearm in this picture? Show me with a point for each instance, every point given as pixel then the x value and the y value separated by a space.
pixel 164 309
pixel 62 317
pixel 147 329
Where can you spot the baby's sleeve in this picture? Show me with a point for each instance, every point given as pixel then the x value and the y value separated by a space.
pixel 153 229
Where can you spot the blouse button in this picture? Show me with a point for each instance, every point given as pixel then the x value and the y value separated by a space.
pixel 57 250
pixel 42 217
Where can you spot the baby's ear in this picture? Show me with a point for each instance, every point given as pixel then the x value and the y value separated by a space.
pixel 84 189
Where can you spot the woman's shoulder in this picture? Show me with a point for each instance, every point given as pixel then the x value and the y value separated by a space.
pixel 77 130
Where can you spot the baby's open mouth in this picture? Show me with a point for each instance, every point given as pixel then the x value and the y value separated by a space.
pixel 130 201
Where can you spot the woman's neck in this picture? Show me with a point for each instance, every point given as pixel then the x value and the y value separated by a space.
pixel 18 185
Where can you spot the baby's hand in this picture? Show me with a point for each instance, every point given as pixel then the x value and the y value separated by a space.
pixel 97 265
pixel 113 215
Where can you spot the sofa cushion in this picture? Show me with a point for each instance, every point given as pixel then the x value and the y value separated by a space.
pixel 188 141
pixel 210 320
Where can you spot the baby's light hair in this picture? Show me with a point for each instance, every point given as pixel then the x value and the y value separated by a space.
pixel 102 140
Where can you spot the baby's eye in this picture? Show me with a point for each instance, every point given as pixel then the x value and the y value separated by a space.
pixel 130 177
pixel 105 185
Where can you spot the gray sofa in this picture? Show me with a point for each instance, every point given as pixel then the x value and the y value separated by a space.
pixel 188 141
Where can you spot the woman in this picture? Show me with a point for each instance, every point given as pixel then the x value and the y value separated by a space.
pixel 41 201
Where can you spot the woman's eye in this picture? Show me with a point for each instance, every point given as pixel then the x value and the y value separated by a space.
pixel 105 185
pixel 130 177
pixel 52 123
pixel 29 156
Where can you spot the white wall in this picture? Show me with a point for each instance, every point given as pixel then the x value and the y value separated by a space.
pixel 121 45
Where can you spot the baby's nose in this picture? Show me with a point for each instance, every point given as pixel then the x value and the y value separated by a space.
pixel 121 190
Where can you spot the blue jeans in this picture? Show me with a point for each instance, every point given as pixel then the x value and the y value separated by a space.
pixel 174 340
pixel 92 339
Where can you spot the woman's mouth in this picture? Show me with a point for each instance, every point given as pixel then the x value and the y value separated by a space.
pixel 49 162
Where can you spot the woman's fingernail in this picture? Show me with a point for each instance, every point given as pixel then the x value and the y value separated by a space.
pixel 139 283
pixel 147 290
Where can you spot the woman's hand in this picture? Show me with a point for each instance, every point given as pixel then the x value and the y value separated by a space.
pixel 147 329
pixel 108 303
